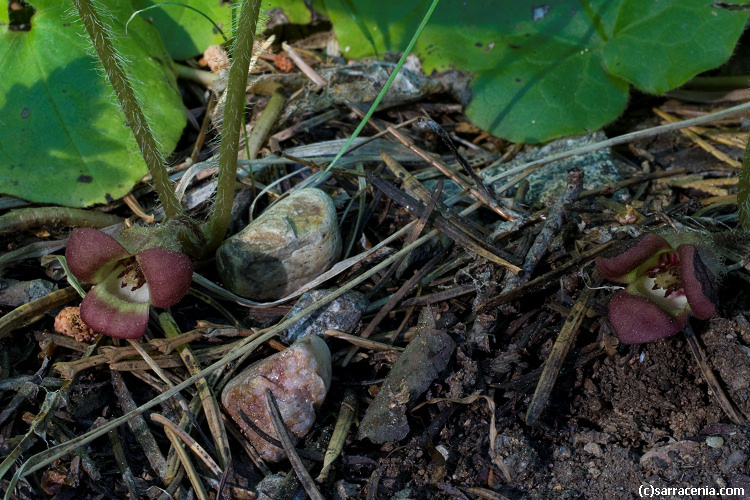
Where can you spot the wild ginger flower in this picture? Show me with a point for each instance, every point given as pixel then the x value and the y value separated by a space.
pixel 126 284
pixel 664 286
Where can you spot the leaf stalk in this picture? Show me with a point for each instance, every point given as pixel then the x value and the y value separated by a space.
pixel 247 22
pixel 100 37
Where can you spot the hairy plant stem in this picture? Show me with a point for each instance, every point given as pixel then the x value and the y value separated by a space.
pixel 221 211
pixel 99 34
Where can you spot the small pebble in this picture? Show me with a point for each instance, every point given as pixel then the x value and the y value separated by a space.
pixel 289 245
pixel 715 441
pixel 344 491
pixel 299 378
pixel 14 293
pixel 444 451
pixel 593 448
pixel 595 404
pixel 343 314
pixel 735 460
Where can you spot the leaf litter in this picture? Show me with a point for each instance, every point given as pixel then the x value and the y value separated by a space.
pixel 446 330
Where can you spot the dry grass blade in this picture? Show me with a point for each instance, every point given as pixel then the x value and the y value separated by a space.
pixel 609 188
pixel 186 421
pixel 192 474
pixel 546 279
pixel 463 238
pixel 465 185
pixel 302 65
pixel 122 464
pixel 692 134
pixel 291 453
pixel 151 362
pixel 340 432
pixel 552 365
pixel 208 399
pixel 558 212
pixel 196 448
pixel 409 181
pixel 486 193
pixel 139 427
pixel 440 296
pixel 362 342
pixel 189 413
pixel 28 313
pixel 532 166
pixel 395 299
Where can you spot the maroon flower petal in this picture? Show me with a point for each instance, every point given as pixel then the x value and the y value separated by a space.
pixel 92 254
pixel 115 310
pixel 637 320
pixel 616 268
pixel 698 283
pixel 167 273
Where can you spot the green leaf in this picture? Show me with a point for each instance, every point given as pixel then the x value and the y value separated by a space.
pixel 543 70
pixel 63 138
pixel 4 19
pixel 674 41
pixel 185 32
pixel 295 10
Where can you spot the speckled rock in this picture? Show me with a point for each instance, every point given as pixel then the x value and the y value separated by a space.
pixel 14 293
pixel 299 378
pixel 343 314
pixel 548 183
pixel 287 246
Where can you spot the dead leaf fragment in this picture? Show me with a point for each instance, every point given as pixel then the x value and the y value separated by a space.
pixel 413 372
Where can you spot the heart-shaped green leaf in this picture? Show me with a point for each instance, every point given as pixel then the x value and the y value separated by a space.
pixel 64 138
pixel 185 32
pixel 543 70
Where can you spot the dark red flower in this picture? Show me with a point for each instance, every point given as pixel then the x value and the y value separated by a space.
pixel 664 286
pixel 126 284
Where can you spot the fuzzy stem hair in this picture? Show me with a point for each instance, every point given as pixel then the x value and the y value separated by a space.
pixel 234 108
pixel 108 56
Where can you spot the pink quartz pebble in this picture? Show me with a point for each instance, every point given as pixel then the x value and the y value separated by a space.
pixel 299 377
